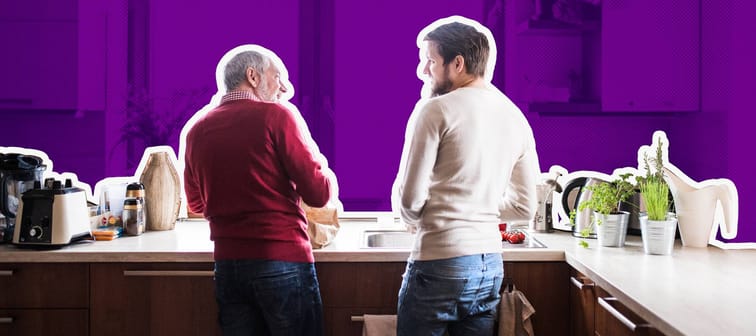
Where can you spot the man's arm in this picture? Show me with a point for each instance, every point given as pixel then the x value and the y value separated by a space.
pixel 312 183
pixel 418 159
pixel 193 193
pixel 519 202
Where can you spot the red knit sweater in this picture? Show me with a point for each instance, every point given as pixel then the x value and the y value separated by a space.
pixel 247 166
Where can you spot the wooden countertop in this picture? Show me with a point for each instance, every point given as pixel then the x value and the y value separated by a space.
pixel 694 291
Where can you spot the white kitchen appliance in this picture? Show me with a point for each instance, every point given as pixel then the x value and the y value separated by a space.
pixel 52 217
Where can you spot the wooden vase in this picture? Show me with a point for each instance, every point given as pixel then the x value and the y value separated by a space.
pixel 162 192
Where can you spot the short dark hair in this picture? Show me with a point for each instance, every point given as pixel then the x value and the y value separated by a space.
pixel 460 39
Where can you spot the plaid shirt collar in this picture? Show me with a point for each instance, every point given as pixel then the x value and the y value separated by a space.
pixel 237 95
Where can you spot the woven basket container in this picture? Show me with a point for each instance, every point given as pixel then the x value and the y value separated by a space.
pixel 162 192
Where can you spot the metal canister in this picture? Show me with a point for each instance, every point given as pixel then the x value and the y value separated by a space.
pixel 135 190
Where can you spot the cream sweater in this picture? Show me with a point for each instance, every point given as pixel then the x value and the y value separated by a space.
pixel 469 162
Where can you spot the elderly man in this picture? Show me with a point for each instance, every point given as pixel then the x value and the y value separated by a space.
pixel 249 164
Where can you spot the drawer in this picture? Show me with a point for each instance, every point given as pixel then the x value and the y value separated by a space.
pixel 615 319
pixel 53 285
pixel 48 322
pixel 153 299
pixel 355 284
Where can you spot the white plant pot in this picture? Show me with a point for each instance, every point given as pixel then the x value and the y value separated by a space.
pixel 613 228
pixel 658 236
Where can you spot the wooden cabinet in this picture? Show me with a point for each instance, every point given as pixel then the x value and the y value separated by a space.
pixel 44 299
pixel 353 289
pixel 41 71
pixel 153 299
pixel 582 304
pixel 55 55
pixel 613 318
pixel 179 298
pixel 604 56
pixel 650 56
pixel 544 284
pixel 593 311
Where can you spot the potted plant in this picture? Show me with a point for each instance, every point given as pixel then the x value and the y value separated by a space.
pixel 658 225
pixel 156 121
pixel 610 222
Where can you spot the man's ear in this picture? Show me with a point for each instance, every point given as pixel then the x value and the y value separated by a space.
pixel 252 77
pixel 459 64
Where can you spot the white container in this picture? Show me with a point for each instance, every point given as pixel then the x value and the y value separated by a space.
pixel 613 228
pixel 658 236
pixel 112 198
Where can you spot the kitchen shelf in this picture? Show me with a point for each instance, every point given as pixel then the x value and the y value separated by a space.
pixel 593 109
pixel 565 108
pixel 555 27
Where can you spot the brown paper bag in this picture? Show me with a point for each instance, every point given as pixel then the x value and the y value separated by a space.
pixel 322 225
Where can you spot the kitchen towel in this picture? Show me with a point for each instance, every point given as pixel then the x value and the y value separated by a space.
pixel 515 312
pixel 379 325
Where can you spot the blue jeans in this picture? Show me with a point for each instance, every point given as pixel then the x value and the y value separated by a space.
pixel 264 297
pixel 458 295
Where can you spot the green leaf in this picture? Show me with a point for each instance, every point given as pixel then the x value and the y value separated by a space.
pixel 583 244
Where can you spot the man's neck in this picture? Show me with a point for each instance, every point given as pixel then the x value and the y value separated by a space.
pixel 471 82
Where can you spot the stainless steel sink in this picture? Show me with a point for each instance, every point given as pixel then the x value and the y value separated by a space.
pixel 529 242
pixel 396 239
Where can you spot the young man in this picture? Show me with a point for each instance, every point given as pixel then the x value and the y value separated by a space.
pixel 469 162
pixel 248 165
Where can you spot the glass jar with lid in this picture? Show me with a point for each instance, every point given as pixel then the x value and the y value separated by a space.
pixel 133 217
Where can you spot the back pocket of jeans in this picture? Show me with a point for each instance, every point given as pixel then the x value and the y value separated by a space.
pixel 281 299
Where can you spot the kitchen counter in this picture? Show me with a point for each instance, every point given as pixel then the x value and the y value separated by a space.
pixel 694 291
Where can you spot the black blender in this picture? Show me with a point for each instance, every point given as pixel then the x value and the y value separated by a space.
pixel 18 173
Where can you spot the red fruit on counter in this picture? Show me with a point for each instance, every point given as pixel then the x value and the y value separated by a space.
pixel 516 238
pixel 521 235
pixel 504 235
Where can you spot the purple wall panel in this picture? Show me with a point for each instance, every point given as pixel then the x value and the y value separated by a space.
pixel 371 87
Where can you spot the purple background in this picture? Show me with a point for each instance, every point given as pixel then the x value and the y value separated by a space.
pixel 594 81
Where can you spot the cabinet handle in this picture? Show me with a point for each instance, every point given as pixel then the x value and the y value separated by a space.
pixel 6 272
pixel 357 318
pixel 604 302
pixel 168 273
pixel 580 284
pixel 6 320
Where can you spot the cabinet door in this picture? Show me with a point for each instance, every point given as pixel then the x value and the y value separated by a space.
pixel 546 287
pixel 55 285
pixel 153 299
pixel 354 289
pixel 582 304
pixel 650 55
pixel 39 65
pixel 44 322
pixel 614 319
pixel 347 321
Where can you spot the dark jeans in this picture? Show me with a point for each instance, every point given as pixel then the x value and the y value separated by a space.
pixel 263 297
pixel 458 295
